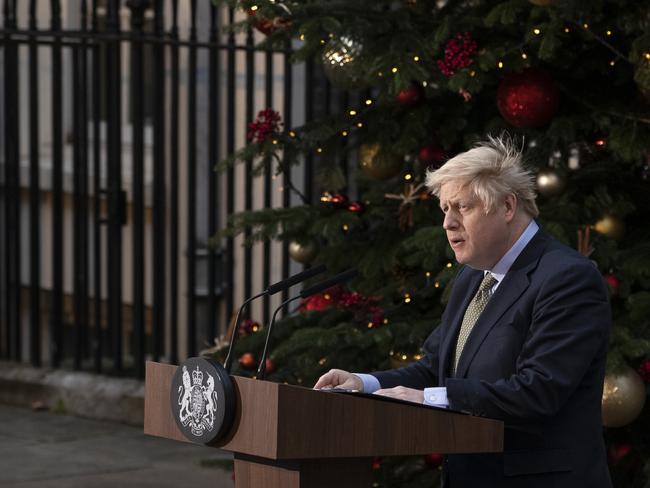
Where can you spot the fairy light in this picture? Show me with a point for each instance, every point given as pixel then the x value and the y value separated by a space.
pixel 537 31
pixel 346 227
pixel 407 298
pixel 585 25
pixel 370 325
pixel 253 8
pixel 380 74
pixel 319 150
pixel 274 141
pixel 344 133
pixel 353 113
pixel 322 41
pixel 567 30
pixel 449 265
pixel 612 62
pixel 326 197
pixel 404 357
pixel 394 70
pixel 472 73
pixel 500 65
pixel 600 142
pixel 408 176
pixel 647 56
pixel 428 274
pixel 359 124
pixel 524 56
pixel 436 284
pixel 416 58
pixel 609 32
pixel 302 37
pixel 255 328
pixel 292 134
pixel 368 102
pixel 322 361
pixel 385 321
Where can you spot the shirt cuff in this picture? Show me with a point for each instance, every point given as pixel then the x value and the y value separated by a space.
pixel 436 396
pixel 370 383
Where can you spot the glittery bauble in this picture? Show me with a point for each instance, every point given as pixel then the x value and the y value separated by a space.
pixel 356 207
pixel 379 163
pixel 248 361
pixel 432 155
pixel 339 62
pixel 610 226
pixel 543 3
pixel 267 26
pixel 303 252
pixel 411 96
pixel 550 182
pixel 623 398
pixel 528 99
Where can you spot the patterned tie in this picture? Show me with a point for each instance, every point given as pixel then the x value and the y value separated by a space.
pixel 472 314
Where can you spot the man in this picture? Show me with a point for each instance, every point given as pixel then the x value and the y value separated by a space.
pixel 523 338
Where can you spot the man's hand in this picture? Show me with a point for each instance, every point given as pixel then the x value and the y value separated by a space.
pixel 337 378
pixel 403 393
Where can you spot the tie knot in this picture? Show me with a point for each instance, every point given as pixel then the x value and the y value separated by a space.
pixel 486 285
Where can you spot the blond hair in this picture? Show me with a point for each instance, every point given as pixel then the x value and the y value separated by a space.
pixel 492 169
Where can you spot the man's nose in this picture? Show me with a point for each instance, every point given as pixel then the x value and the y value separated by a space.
pixel 450 221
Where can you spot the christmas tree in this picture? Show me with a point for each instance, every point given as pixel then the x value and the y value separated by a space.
pixel 569 79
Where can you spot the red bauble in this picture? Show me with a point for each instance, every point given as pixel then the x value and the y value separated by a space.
pixel 411 97
pixel 248 326
pixel 528 99
pixel 269 366
pixel 432 155
pixel 339 200
pixel 356 207
pixel 376 463
pixel 618 452
pixel 613 282
pixel 433 460
pixel 644 371
pixel 248 361
pixel 267 26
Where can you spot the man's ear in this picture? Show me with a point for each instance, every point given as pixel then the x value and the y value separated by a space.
pixel 510 205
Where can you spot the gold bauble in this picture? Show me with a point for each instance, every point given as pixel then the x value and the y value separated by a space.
pixel 550 182
pixel 611 226
pixel 623 398
pixel 303 252
pixel 543 3
pixel 379 163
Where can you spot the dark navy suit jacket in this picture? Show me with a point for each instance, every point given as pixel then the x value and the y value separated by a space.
pixel 536 360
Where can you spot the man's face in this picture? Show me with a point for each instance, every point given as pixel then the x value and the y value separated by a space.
pixel 478 239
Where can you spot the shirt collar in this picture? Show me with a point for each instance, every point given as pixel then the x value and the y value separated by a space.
pixel 501 268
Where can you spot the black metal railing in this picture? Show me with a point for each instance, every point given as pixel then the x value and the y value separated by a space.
pixel 110 133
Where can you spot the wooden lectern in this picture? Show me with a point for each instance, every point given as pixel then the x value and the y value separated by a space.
pixel 289 437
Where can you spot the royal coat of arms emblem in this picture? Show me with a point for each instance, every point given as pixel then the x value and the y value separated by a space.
pixel 198 402
pixel 202 400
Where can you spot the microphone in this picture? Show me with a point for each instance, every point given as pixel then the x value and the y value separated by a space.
pixel 312 290
pixel 271 290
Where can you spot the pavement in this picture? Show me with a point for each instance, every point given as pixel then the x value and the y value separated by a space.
pixel 41 449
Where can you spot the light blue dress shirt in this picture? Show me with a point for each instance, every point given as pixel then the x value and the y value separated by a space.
pixel 437 396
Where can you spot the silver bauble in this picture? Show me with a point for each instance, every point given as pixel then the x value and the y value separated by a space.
pixel 550 182
pixel 339 62
pixel 303 252
pixel 623 398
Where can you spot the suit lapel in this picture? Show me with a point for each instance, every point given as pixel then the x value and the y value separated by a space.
pixel 514 284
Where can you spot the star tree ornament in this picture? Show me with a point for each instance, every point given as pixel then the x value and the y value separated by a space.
pixel 623 398
pixel 529 99
pixel 340 62
pixel 408 198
